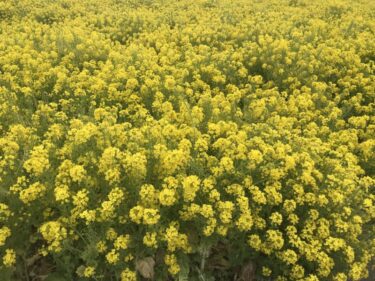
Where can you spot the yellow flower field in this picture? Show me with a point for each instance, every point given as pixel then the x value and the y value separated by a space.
pixel 185 140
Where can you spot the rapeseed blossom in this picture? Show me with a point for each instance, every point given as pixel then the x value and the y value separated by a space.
pixel 164 138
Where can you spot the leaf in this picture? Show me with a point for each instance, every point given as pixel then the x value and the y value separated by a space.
pixel 183 275
pixel 204 276
pixel 80 270
pixel 159 256
pixel 55 277
pixel 219 263
pixel 89 254
pixel 145 267
pixel 5 273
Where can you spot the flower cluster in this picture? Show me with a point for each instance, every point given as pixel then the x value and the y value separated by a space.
pixel 185 139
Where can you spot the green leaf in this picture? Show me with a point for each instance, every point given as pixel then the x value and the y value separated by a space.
pixel 55 277
pixel 183 275
pixel 6 274
pixel 89 254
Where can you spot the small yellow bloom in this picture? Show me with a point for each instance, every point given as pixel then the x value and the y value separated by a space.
pixel 9 258
pixel 89 271
pixel 112 257
pixel 150 239
pixel 128 275
pixel 266 271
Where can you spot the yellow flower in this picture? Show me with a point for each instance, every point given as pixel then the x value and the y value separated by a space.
pixel 101 247
pixel 171 261
pixel 4 234
pixel 5 213
pixel 111 234
pixel 245 221
pixel 136 214
pixel 32 193
pixel 289 205
pixel 150 239
pixel 226 164
pixel 222 230
pixel 340 277
pixel 190 187
pixel 81 199
pixel 275 239
pixel 176 240
pixel 132 127
pixel 9 258
pixel 276 218
pixel 257 195
pixel 167 197
pixel 38 162
pixel 88 215
pixel 170 83
pixel 148 194
pixel 226 210
pixel 335 244
pixel 210 227
pixel 131 84
pixel 122 242
pixel 289 256
pixel 54 233
pixel 62 193
pixel 297 272
pixel 112 257
pixel 89 271
pixel 266 271
pixel 128 258
pixel 77 173
pixel 128 275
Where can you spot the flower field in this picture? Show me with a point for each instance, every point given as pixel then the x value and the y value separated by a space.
pixel 202 140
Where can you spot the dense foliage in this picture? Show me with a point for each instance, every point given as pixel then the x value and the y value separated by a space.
pixel 187 140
